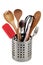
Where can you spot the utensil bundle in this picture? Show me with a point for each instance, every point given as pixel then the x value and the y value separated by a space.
pixel 25 27
pixel 36 19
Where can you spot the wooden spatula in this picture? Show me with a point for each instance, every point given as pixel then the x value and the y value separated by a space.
pixel 36 19
pixel 18 14
pixel 8 15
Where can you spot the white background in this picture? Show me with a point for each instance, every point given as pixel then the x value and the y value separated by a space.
pixel 28 7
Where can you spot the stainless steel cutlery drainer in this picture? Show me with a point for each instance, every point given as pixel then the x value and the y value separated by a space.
pixel 21 51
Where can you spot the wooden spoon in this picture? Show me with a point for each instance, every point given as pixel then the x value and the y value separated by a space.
pixel 18 14
pixel 37 16
pixel 8 15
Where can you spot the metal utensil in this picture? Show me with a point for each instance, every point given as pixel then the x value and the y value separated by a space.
pixel 28 21
pixel 35 32
pixel 22 29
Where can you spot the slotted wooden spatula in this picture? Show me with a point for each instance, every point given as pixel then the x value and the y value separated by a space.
pixel 36 19
pixel 8 15
pixel 18 14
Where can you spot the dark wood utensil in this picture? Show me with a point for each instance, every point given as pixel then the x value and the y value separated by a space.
pixel 18 14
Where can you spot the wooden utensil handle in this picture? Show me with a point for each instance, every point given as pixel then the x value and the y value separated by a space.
pixel 17 31
pixel 14 26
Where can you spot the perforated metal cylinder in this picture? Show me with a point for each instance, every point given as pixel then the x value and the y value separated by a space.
pixel 21 51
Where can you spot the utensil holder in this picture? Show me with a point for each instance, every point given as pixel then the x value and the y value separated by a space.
pixel 21 51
